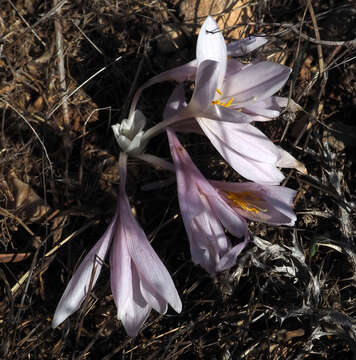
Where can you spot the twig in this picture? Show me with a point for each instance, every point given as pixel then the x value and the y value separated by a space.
pixel 19 283
pixel 295 29
pixel 63 90
pixel 88 39
pixel 347 43
pixel 81 85
pixel 27 24
pixel 296 66
pixel 6 213
pixel 317 35
pixel 61 69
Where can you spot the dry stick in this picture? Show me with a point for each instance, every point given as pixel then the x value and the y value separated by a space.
pixel 63 89
pixel 19 283
pixel 317 110
pixel 322 74
pixel 323 42
pixel 317 35
pixel 79 327
pixel 296 66
pixel 295 28
pixel 80 86
pixel 25 290
pixel 6 213
pixel 27 24
pixel 88 39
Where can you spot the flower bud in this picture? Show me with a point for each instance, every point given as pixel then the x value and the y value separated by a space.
pixel 129 133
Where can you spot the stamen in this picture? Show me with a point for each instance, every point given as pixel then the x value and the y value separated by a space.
pixel 218 102
pixel 229 102
pixel 246 200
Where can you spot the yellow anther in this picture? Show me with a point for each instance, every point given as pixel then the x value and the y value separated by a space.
pixel 218 102
pixel 246 201
pixel 229 102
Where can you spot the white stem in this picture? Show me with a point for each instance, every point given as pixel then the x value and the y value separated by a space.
pixel 162 126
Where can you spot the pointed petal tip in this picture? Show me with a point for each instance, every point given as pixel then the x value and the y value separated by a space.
pixel 131 331
pixel 209 21
pixel 133 322
pixel 53 325
pixel 177 305
pixel 58 318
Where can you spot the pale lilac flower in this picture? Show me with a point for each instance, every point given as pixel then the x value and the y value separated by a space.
pixel 139 280
pixel 243 146
pixel 269 204
pixel 220 90
pixel 208 208
pixel 221 86
pixel 188 71
pixel 227 96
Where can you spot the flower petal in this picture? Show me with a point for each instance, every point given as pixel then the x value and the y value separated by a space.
pixel 150 268
pixel 187 178
pixel 153 298
pixel 212 221
pixel 223 114
pixel 132 308
pixel 245 139
pixel 234 66
pixel 203 242
pixel 204 217
pixel 229 259
pixel 176 102
pixel 260 172
pixel 211 46
pixel 233 223
pixel 277 201
pixel 289 161
pixel 256 82
pixel 205 86
pixel 244 46
pixel 179 74
pixel 84 278
pixel 265 113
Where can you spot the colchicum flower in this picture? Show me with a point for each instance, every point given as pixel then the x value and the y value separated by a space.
pixel 228 96
pixel 139 280
pixel 208 208
pixel 188 71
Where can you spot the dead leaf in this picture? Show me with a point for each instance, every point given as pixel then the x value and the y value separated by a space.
pixel 27 204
